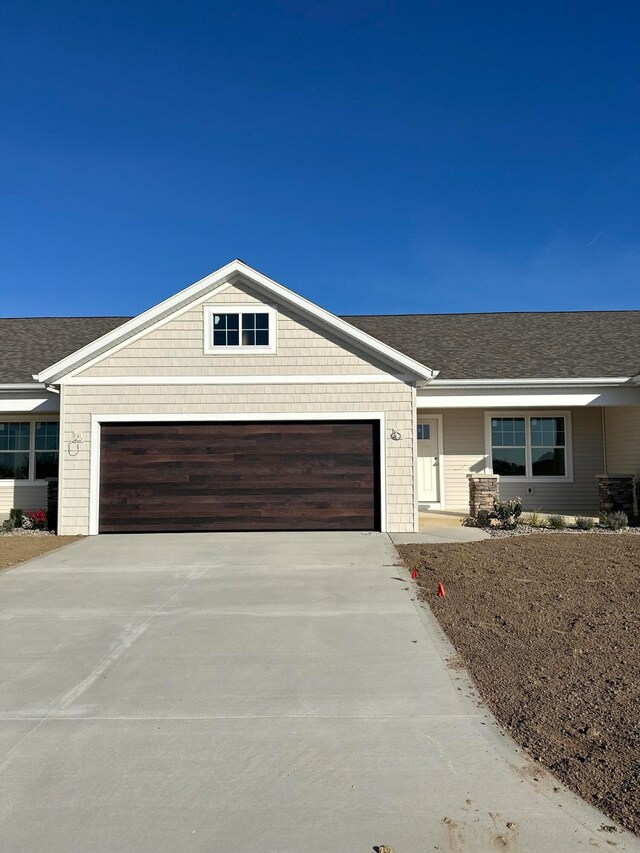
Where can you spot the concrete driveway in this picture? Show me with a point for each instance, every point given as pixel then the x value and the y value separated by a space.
pixel 251 692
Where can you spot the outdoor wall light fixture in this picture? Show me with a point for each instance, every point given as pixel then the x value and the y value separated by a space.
pixel 395 435
pixel 73 445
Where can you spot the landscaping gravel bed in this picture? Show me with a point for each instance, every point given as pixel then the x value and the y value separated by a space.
pixel 549 628
pixel 527 530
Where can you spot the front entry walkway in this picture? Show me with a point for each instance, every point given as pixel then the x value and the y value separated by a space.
pixel 251 693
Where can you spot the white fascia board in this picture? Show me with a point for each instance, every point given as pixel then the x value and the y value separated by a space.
pixel 600 381
pixel 503 398
pixel 22 386
pixel 221 277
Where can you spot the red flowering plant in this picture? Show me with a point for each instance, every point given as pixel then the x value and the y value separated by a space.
pixel 37 519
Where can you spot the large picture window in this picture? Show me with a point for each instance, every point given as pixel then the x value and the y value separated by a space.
pixel 530 446
pixel 28 450
pixel 232 329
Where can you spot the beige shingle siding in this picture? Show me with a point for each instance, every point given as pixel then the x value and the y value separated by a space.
pixel 392 398
pixel 464 452
pixel 177 348
pixel 622 425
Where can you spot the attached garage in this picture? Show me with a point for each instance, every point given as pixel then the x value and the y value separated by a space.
pixel 216 476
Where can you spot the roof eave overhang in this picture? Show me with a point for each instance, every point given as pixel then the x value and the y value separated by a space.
pixel 560 382
pixel 22 386
pixel 225 275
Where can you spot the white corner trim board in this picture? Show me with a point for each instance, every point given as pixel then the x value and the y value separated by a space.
pixel 167 417
pixel 207 287
pixel 247 379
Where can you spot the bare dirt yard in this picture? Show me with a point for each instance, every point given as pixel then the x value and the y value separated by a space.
pixel 17 549
pixel 549 628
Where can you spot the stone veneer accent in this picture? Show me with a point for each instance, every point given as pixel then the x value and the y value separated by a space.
pixel 618 492
pixel 483 491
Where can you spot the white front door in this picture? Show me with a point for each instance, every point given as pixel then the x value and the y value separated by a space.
pixel 428 480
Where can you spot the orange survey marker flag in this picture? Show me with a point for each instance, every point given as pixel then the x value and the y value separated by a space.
pixel 441 592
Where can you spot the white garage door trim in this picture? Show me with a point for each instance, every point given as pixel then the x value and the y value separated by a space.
pixel 98 419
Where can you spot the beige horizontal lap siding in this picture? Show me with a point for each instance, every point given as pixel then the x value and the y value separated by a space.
pixel 622 430
pixel 464 453
pixel 78 403
pixel 26 496
pixel 463 441
pixel 177 349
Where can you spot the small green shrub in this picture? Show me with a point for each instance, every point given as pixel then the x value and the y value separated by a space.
pixel 585 523
pixel 614 520
pixel 8 525
pixel 508 512
pixel 17 516
pixel 534 519
pixel 557 522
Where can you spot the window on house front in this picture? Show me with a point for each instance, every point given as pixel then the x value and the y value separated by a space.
pixel 46 449
pixel 14 451
pixel 226 330
pixel 28 450
pixel 508 445
pixel 529 446
pixel 239 330
pixel 255 330
pixel 548 447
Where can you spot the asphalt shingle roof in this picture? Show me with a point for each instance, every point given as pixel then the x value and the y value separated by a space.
pixel 29 344
pixel 461 346
pixel 568 344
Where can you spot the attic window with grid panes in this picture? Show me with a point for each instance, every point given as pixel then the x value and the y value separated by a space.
pixel 230 329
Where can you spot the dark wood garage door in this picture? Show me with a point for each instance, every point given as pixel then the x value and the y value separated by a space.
pixel 239 476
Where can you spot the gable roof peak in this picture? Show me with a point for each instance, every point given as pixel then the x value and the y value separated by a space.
pixel 209 285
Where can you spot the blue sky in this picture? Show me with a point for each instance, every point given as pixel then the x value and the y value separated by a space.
pixel 377 157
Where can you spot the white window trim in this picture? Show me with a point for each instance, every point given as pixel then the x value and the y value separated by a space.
pixel 527 415
pixel 31 420
pixel 246 308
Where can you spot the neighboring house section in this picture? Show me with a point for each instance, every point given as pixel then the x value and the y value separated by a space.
pixel 238 404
